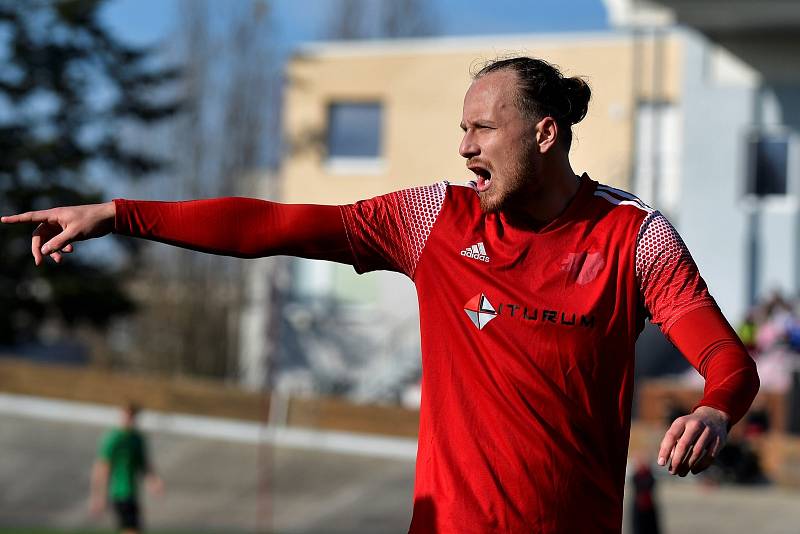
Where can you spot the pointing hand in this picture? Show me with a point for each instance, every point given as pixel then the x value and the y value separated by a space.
pixel 60 227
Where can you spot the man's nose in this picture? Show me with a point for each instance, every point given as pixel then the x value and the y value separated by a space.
pixel 469 148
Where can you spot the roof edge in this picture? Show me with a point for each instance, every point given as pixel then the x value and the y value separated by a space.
pixel 438 45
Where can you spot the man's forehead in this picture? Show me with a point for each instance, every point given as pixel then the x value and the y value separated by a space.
pixel 490 94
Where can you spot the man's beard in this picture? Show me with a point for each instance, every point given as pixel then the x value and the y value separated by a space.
pixel 508 190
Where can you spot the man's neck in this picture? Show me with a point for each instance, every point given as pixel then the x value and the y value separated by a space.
pixel 544 204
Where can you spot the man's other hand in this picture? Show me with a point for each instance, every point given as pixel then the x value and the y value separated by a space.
pixel 60 227
pixel 693 441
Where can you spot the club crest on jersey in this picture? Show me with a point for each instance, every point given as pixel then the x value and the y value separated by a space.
pixel 583 267
pixel 480 311
pixel 476 252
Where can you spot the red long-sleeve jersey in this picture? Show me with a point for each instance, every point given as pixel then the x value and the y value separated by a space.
pixel 527 335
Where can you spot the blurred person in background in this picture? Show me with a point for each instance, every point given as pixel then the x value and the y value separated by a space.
pixel 747 331
pixel 122 460
pixel 534 283
pixel 644 515
pixel 771 332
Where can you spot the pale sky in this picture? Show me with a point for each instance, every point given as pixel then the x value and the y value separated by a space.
pixel 145 21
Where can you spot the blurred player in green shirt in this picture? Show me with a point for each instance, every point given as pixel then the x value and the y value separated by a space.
pixel 122 459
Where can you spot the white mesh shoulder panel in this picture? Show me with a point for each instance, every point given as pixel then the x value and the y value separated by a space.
pixel 658 242
pixel 669 281
pixel 420 207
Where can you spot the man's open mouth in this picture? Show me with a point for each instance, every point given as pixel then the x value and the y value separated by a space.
pixel 483 177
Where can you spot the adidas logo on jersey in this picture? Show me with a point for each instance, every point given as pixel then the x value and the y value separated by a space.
pixel 476 252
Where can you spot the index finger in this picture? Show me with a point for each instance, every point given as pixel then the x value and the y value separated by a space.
pixel 670 440
pixel 28 216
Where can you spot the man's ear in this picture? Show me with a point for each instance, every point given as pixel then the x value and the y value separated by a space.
pixel 546 134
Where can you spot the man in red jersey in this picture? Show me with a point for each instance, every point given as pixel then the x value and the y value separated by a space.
pixel 533 283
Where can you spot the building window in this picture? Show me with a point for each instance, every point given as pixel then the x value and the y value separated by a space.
pixel 768 164
pixel 658 154
pixel 354 136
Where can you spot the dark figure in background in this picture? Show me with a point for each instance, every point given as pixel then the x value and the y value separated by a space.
pixel 122 460
pixel 644 514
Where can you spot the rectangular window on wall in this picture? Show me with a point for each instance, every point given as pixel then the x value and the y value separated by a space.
pixel 768 164
pixel 354 136
pixel 658 154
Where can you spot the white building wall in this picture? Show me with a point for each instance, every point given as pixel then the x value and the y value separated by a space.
pixel 777 268
pixel 711 219
pixel 744 246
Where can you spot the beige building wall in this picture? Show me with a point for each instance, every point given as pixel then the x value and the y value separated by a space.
pixel 421 84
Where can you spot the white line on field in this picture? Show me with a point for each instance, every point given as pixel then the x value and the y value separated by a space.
pixel 212 427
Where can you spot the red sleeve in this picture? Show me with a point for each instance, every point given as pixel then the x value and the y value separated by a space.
pixel 390 231
pixel 669 282
pixel 706 339
pixel 677 298
pixel 241 227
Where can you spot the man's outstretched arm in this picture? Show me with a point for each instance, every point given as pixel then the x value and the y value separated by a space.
pixel 232 226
